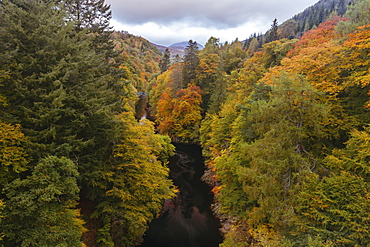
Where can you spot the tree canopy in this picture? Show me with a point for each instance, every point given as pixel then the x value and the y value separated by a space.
pixel 282 120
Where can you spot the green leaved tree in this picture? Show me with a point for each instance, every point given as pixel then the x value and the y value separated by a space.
pixel 40 210
pixel 335 208
pixel 136 183
pixel 270 155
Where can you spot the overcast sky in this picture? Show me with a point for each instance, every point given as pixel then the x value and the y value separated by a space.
pixel 165 22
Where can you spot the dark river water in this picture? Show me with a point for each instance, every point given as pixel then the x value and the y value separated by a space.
pixel 187 220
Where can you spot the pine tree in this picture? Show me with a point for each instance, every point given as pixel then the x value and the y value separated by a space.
pixel 273 34
pixel 191 62
pixel 209 71
pixel 165 62
pixel 59 89
pixel 92 16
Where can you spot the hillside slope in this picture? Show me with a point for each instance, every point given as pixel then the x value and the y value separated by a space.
pixel 308 19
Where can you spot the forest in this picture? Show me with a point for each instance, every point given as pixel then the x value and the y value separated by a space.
pixel 282 119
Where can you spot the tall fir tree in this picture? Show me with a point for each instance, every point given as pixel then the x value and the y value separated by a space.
pixel 209 71
pixel 273 33
pixel 191 61
pixel 91 14
pixel 58 89
pixel 94 17
pixel 165 61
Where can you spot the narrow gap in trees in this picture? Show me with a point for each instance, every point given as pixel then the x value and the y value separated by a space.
pixel 187 220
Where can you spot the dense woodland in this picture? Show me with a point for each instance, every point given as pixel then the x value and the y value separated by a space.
pixel 283 123
pixel 76 165
pixel 296 26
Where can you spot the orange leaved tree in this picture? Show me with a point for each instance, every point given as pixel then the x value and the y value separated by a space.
pixel 179 113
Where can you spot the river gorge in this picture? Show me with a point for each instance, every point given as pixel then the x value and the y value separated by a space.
pixel 187 220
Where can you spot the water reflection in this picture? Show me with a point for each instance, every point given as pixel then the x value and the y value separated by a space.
pixel 187 220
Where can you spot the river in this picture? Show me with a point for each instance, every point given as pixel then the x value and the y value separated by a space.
pixel 187 220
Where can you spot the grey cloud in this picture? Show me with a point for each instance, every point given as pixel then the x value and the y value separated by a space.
pixel 206 13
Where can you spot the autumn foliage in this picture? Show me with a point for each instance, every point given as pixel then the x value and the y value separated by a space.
pixel 284 128
pixel 179 113
pixel 276 145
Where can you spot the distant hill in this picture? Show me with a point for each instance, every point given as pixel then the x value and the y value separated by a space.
pixel 182 45
pixel 177 48
pixel 173 51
